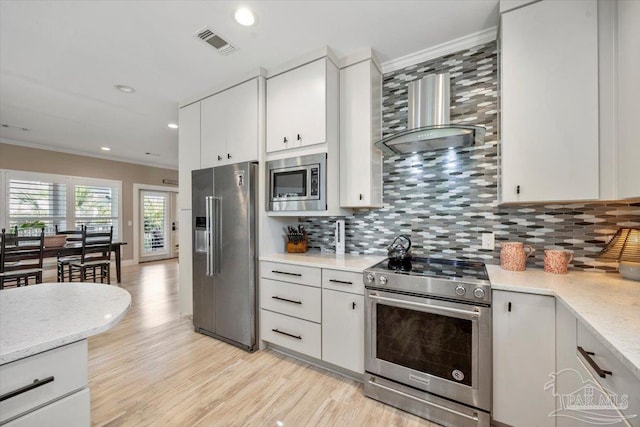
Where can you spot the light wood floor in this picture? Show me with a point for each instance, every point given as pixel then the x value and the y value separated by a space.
pixel 152 369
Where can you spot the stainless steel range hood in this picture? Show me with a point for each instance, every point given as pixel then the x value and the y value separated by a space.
pixel 429 128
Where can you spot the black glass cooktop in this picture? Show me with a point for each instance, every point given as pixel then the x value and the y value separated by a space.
pixel 436 267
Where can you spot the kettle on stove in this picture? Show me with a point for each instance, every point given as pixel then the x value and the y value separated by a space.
pixel 399 253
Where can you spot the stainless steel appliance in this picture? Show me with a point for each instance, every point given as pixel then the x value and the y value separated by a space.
pixel 225 268
pixel 297 183
pixel 428 339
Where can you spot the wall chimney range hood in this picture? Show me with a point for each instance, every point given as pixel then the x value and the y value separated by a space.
pixel 429 127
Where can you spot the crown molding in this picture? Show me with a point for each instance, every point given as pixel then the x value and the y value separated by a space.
pixel 85 153
pixel 442 49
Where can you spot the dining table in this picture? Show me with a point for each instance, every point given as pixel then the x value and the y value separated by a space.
pixel 75 248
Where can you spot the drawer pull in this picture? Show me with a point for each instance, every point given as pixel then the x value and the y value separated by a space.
pixel 286 300
pixel 341 282
pixel 287 273
pixel 587 356
pixel 35 384
pixel 298 337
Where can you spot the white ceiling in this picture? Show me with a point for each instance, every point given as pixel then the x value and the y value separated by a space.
pixel 59 60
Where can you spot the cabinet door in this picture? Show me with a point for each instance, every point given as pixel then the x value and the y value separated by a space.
pixel 628 95
pixel 213 142
pixel 550 102
pixel 309 105
pixel 523 358
pixel 360 128
pixel 188 151
pixel 279 105
pixel 343 329
pixel 242 122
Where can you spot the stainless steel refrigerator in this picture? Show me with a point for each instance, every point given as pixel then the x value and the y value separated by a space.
pixel 225 230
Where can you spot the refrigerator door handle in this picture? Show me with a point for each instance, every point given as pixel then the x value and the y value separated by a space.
pixel 208 206
pixel 217 230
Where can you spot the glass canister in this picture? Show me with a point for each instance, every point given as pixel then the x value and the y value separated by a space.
pixel 513 255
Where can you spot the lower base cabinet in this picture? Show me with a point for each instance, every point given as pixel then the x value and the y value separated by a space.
pixel 343 329
pixel 523 359
pixel 71 411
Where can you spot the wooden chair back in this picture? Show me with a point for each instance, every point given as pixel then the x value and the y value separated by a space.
pixel 72 235
pixel 21 256
pixel 96 245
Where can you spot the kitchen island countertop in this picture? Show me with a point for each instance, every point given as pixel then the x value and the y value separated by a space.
pixel 607 304
pixel 41 317
pixel 346 262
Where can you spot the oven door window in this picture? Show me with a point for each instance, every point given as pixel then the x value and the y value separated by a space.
pixel 290 184
pixel 435 344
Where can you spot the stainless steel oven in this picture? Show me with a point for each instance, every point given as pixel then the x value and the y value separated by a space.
pixel 297 183
pixel 428 343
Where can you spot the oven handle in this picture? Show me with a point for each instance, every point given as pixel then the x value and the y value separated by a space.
pixel 425 402
pixel 432 308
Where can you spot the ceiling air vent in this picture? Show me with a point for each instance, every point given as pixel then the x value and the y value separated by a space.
pixel 213 39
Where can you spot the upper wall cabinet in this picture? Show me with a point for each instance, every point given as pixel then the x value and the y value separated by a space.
pixel 549 60
pixel 628 94
pixel 297 102
pixel 230 126
pixel 360 128
pixel 188 151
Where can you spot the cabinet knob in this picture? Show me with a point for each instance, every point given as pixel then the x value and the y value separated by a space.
pixel 228 156
pixel 517 189
pixel 284 140
pixel 361 196
pixel 353 305
pixel 219 158
pixel 299 137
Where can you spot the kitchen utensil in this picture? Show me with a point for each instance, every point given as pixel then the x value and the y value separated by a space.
pixel 557 261
pixel 513 255
pixel 399 253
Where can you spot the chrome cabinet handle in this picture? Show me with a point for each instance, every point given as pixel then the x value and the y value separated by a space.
pixel 427 307
pixel 35 384
pixel 587 356
pixel 298 337
pixel 286 300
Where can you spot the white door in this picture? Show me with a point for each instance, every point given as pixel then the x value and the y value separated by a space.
pixel 156 220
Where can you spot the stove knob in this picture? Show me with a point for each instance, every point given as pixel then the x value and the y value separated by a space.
pixel 370 278
pixel 382 280
pixel 478 293
pixel 460 290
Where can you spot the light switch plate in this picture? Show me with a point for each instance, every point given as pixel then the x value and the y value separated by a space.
pixel 488 241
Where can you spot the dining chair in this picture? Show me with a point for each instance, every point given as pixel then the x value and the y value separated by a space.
pixel 20 258
pixel 73 237
pixel 95 261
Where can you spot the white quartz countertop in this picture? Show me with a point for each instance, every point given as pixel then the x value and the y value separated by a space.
pixel 347 262
pixel 41 317
pixel 606 304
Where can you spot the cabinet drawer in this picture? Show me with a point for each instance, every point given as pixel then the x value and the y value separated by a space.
pixel 621 381
pixel 66 366
pixel 309 276
pixel 291 299
pixel 72 411
pixel 345 281
pixel 295 334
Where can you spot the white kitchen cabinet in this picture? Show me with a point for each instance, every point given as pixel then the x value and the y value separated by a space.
pixel 188 151
pixel 360 128
pixel 298 102
pixel 343 329
pixel 549 76
pixel 628 142
pixel 230 126
pixel 523 358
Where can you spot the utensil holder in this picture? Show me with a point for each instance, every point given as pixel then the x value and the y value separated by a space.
pixel 298 247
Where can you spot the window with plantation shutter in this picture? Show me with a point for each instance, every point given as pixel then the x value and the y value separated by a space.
pixel 35 200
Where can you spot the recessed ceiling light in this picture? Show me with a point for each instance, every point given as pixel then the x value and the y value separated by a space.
pixel 173 125
pixel 124 88
pixel 105 148
pixel 245 17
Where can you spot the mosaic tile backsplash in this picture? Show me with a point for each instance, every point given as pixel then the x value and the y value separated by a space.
pixel 445 200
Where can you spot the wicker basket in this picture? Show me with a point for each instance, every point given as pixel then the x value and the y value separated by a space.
pixel 54 241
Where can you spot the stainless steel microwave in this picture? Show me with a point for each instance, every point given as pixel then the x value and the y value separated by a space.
pixel 297 183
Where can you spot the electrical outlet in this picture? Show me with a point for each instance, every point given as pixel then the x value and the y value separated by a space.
pixel 488 241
